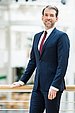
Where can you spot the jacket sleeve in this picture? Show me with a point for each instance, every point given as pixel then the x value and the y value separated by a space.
pixel 62 60
pixel 30 67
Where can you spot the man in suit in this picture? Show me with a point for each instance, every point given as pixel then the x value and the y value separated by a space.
pixel 50 61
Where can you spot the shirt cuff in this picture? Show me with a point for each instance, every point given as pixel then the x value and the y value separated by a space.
pixel 54 88
pixel 20 82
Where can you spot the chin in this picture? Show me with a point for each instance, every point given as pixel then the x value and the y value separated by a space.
pixel 48 27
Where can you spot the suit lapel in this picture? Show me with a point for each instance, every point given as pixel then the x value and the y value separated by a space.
pixel 38 39
pixel 50 37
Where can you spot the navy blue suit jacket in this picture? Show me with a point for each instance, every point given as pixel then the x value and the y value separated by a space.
pixel 51 66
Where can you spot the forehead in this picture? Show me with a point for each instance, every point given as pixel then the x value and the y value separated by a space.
pixel 48 10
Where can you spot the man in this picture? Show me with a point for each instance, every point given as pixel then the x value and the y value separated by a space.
pixel 50 60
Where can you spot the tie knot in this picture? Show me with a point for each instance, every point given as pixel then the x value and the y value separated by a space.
pixel 45 32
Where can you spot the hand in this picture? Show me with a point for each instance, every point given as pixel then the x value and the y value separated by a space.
pixel 15 84
pixel 52 94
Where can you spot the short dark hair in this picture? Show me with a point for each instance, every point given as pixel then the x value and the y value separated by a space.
pixel 51 7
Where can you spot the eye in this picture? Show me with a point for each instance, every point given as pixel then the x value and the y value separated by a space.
pixel 46 14
pixel 51 15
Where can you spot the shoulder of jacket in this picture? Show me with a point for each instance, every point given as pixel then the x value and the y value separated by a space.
pixel 39 33
pixel 60 33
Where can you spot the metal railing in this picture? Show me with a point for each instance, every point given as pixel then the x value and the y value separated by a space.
pixel 13 100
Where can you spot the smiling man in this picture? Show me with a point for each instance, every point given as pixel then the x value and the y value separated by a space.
pixel 49 56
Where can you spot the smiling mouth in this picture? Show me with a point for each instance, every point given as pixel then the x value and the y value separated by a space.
pixel 48 21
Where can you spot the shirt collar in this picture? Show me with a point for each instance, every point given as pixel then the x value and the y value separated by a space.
pixel 50 30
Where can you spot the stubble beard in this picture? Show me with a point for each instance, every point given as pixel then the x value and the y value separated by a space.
pixel 50 25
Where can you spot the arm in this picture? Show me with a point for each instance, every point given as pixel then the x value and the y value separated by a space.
pixel 30 68
pixel 28 71
pixel 62 59
pixel 63 54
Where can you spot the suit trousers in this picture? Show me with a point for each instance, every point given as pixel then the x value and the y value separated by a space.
pixel 40 102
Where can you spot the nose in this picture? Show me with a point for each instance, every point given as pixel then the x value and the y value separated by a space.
pixel 49 17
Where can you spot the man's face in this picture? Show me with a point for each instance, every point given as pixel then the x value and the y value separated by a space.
pixel 49 18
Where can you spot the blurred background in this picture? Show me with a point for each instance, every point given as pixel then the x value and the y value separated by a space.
pixel 19 21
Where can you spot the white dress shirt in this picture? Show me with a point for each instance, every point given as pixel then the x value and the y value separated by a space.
pixel 48 33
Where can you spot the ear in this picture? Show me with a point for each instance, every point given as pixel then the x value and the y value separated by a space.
pixel 56 19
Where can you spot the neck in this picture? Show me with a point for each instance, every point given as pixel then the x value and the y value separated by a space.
pixel 49 28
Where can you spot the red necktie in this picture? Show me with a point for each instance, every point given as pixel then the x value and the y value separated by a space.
pixel 42 42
